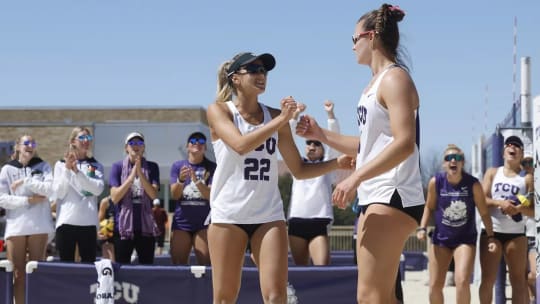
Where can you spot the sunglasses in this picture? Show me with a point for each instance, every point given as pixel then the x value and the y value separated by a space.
pixel 253 68
pixel 85 137
pixel 313 142
pixel 457 157
pixel 136 143
pixel 513 145
pixel 194 141
pixel 357 37
pixel 527 163
pixel 29 143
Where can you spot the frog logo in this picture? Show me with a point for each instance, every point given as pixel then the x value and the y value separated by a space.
pixel 291 294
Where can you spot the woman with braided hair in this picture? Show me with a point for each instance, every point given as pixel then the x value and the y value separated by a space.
pixel 387 177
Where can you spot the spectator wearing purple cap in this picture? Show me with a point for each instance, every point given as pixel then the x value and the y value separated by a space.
pixel 501 185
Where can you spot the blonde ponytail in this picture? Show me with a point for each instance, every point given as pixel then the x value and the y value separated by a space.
pixel 224 88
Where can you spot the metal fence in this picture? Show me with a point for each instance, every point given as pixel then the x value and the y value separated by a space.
pixel 341 238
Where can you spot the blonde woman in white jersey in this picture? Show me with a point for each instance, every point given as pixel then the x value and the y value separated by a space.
pixel 245 200
pixel 387 176
pixel 501 186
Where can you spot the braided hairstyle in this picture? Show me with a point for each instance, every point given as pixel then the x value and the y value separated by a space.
pixel 384 21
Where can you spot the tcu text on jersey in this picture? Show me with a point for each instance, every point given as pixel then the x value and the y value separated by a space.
pixel 508 188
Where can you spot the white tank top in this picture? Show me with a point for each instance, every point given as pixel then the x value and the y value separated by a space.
pixel 375 136
pixel 503 187
pixel 245 187
pixel 312 197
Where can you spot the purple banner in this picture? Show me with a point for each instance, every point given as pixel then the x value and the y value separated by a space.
pixel 323 284
pixel 342 258
pixel 76 283
pixel 6 282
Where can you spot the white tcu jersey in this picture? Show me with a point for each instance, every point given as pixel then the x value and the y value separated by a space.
pixel 502 188
pixel 245 187
pixel 375 136
pixel 312 197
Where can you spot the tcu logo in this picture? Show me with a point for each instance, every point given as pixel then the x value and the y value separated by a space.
pixel 507 188
pixel 123 290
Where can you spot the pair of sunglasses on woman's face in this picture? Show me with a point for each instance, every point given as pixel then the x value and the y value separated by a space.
pixel 29 143
pixel 85 137
pixel 253 68
pixel 136 143
pixel 194 141
pixel 455 156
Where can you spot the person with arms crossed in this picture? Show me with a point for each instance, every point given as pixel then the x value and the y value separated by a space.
pixel 245 201
pixel 25 191
pixel 387 178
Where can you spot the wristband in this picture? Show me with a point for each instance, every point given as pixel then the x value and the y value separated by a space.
pixel 421 229
pixel 180 181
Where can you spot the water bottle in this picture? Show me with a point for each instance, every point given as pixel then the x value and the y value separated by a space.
pixel 517 200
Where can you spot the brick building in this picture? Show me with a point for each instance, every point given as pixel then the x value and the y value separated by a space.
pixel 51 126
pixel 165 128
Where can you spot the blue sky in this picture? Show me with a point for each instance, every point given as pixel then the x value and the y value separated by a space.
pixel 161 53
